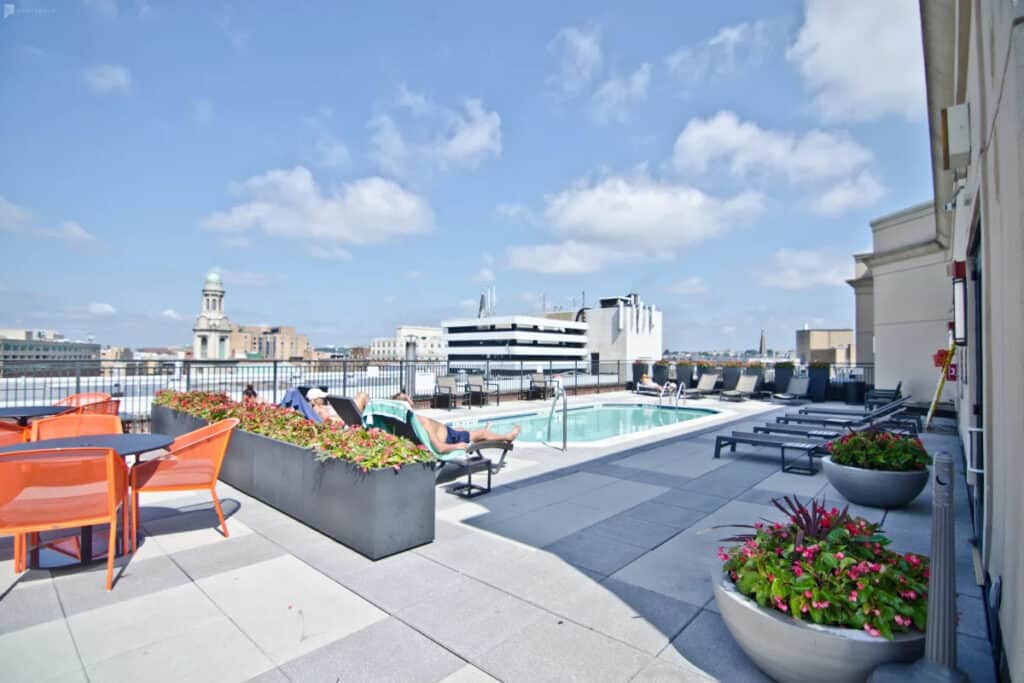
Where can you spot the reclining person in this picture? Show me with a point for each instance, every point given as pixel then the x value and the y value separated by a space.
pixel 647 383
pixel 445 439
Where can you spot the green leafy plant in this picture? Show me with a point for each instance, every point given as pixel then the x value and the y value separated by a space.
pixel 368 449
pixel 819 364
pixel 785 364
pixel 827 567
pixel 755 364
pixel 876 449
pixel 662 363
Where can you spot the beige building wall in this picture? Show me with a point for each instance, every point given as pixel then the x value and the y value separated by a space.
pixel 974 54
pixel 825 346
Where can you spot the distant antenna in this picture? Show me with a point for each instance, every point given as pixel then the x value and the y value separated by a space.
pixel 482 312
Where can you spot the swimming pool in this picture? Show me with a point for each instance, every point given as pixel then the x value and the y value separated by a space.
pixel 590 423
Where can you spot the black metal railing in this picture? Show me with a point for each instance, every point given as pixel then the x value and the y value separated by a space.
pixel 135 383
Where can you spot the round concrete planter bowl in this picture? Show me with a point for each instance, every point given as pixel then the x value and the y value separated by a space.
pixel 875 488
pixel 792 651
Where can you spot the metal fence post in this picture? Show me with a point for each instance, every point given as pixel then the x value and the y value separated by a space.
pixel 344 378
pixel 186 368
pixel 575 378
pixel 522 371
pixel 274 393
pixel 78 377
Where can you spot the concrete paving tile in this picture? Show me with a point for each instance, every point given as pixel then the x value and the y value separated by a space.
pixel 692 500
pixel 287 607
pixel 971 612
pixel 617 497
pixel 592 550
pixel 195 529
pixel 732 479
pixel 100 633
pixel 644 476
pixel 227 554
pixel 682 567
pixel 39 653
pixel 469 617
pixel 385 651
pixel 474 550
pixel 559 650
pixel 534 496
pixel 84 589
pixel 707 644
pixel 270 676
pixel 28 604
pixel 331 558
pixel 974 658
pixel 400 581
pixel 634 530
pixel 468 674
pixel 660 671
pixel 213 651
pixel 543 526
pixel 540 578
pixel 668 515
pixel 795 483
pixel 641 618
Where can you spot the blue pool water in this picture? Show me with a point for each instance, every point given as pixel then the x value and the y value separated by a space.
pixel 591 423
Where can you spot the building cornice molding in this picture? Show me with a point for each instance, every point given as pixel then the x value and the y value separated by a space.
pixel 925 248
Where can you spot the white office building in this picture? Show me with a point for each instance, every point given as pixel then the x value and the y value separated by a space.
pixel 429 344
pixel 624 328
pixel 514 341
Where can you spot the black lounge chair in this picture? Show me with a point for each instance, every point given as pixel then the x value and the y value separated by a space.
pixel 784 442
pixel 705 386
pixel 450 466
pixel 798 390
pixel 877 397
pixel 809 432
pixel 477 385
pixel 346 409
pixel 541 386
pixel 847 421
pixel 445 390
pixel 746 387
pixel 847 411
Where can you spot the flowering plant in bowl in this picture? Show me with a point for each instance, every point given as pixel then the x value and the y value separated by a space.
pixel 826 567
pixel 367 449
pixel 876 449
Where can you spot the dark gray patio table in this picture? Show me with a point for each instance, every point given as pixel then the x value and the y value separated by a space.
pixel 26 413
pixel 124 445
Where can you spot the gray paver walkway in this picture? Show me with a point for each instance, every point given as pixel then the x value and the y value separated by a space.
pixel 591 565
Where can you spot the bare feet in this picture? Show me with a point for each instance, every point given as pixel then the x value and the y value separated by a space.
pixel 514 433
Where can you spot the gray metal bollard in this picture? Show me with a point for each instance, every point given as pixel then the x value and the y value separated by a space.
pixel 939 663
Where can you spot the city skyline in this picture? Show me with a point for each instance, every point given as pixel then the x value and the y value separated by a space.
pixel 370 174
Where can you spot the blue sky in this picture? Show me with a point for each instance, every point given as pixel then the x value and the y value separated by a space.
pixel 349 168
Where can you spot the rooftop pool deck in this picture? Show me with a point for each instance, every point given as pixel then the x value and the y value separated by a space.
pixel 592 564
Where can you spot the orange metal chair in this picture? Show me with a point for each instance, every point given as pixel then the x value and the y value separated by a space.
pixel 75 425
pixel 110 407
pixel 59 489
pixel 11 434
pixel 79 400
pixel 192 463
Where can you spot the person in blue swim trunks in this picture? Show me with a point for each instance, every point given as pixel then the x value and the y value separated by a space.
pixel 446 439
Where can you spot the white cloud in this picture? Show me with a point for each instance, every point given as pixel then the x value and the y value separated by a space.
pixel 728 329
pixel 202 111
pixel 612 99
pixel 749 148
pixel 171 314
pixel 694 284
pixel 13 217
pixel 567 258
pixel 487 258
pixel 730 49
pixel 388 149
pixel 471 138
pixel 803 269
pixel 454 138
pixel 579 58
pixel 235 242
pixel 852 193
pixel 107 78
pixel 70 232
pixel 485 274
pixel 328 253
pixel 519 212
pixel 244 278
pixel 638 211
pixel 862 60
pixel 332 152
pixel 105 8
pixel 101 309
pixel 290 203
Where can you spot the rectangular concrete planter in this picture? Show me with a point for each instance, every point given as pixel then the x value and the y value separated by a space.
pixel 730 376
pixel 818 384
pixel 377 513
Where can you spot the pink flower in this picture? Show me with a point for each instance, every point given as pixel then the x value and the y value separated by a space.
pixel 872 631
pixel 804 609
pixel 798 570
pixel 913 559
pixel 808 594
pixel 722 555
pixel 840 555
pixel 853 596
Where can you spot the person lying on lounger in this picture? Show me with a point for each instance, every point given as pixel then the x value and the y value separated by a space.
pixel 647 383
pixel 446 439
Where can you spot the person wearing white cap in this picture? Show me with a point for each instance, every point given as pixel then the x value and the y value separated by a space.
pixel 318 400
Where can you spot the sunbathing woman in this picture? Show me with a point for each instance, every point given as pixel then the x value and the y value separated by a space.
pixel 445 439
